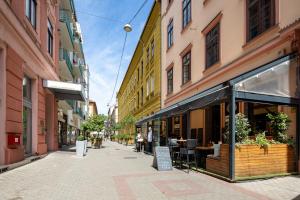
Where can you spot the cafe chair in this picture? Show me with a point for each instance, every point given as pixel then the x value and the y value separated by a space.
pixel 174 149
pixel 188 152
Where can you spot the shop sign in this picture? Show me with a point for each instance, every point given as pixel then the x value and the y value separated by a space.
pixel 162 160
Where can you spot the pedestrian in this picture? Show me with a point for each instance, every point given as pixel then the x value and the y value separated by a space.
pixel 149 140
pixel 139 140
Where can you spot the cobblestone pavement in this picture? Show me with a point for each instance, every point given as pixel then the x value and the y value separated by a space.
pixel 116 172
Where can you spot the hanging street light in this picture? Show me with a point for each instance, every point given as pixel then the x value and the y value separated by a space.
pixel 127 28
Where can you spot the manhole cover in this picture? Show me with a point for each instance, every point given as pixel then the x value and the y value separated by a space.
pixel 130 157
pixel 117 149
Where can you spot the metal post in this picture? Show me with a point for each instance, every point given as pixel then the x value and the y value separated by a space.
pixel 188 124
pixel 232 134
pixel 297 136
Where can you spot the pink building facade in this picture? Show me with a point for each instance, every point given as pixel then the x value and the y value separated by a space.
pixel 221 58
pixel 237 55
pixel 28 55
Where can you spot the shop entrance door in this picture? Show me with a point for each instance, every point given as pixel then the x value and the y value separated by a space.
pixel 27 116
pixel 212 124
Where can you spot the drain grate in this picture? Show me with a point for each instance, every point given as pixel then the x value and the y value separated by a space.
pixel 130 157
pixel 117 149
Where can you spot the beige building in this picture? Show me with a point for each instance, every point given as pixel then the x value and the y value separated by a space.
pixel 92 108
pixel 224 57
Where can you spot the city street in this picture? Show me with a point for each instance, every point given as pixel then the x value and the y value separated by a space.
pixel 117 172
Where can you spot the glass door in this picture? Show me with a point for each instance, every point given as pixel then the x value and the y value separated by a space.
pixel 27 116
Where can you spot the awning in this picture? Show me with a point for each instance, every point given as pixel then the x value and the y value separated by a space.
pixel 199 100
pixel 65 90
pixel 250 84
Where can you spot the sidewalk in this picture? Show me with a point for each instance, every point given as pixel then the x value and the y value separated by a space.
pixel 116 172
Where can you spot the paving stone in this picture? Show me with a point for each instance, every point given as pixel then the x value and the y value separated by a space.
pixel 107 174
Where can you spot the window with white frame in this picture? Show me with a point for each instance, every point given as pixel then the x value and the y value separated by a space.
pixel 30 11
pixel 50 38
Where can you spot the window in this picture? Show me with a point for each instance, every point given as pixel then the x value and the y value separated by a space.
pixel 142 96
pixel 138 99
pixel 142 70
pixel 186 68
pixel 212 42
pixel 138 74
pixel 170 33
pixel 148 87
pixel 260 17
pixel 186 12
pixel 170 81
pixel 50 38
pixel 148 54
pixel 152 83
pixel 31 11
pixel 152 48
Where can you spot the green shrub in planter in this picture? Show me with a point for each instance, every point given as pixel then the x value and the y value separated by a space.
pixel 279 125
pixel 242 128
pixel 261 140
pixel 80 138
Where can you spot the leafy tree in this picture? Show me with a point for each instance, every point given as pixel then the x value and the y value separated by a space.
pixel 94 123
pixel 128 122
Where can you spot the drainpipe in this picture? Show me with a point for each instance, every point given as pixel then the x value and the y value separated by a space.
pixel 232 132
pixel 297 137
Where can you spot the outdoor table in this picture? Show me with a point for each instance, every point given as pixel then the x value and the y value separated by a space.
pixel 203 151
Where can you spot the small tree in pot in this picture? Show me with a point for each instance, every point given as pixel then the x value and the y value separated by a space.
pixel 95 123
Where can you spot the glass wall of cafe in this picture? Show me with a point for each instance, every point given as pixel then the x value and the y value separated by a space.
pixel 270 90
pixel 158 129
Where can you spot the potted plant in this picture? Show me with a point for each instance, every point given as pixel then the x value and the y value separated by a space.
pixel 80 146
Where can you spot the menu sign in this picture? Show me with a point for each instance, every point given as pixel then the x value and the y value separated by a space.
pixel 162 160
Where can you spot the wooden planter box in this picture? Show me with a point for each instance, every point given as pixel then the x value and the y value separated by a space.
pixel 252 160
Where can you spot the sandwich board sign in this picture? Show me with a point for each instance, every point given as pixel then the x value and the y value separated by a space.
pixel 162 160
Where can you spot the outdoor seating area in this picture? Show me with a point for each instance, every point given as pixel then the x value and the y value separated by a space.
pixel 244 128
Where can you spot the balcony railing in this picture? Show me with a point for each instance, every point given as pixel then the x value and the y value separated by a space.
pixel 63 17
pixel 64 55
pixel 79 112
pixel 71 103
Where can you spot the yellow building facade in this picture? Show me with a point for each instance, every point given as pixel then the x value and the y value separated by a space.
pixel 139 93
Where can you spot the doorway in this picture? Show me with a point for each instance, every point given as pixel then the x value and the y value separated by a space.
pixel 27 116
pixel 212 124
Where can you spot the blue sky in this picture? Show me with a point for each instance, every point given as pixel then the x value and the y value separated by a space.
pixel 103 40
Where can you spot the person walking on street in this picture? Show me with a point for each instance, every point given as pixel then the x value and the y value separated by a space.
pixel 139 140
pixel 149 140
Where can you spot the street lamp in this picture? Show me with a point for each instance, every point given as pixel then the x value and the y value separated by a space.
pixel 127 28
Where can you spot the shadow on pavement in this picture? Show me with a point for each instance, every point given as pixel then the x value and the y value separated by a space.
pixel 68 148
pixel 296 198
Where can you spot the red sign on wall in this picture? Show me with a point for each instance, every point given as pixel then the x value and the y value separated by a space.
pixel 13 139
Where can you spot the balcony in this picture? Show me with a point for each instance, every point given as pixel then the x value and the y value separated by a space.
pixel 66 67
pixel 79 112
pixel 78 65
pixel 71 103
pixel 66 30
